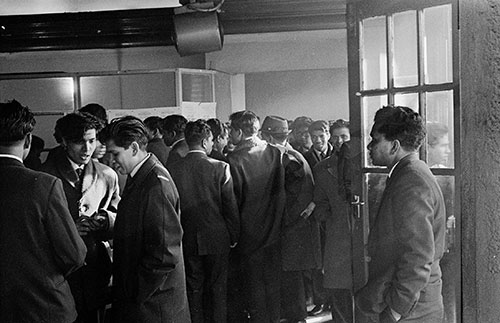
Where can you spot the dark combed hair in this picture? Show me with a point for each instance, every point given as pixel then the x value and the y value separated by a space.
pixel 16 121
pixel 319 125
pixel 196 131
pixel 401 123
pixel 125 130
pixel 218 128
pixel 246 121
pixel 301 122
pixel 338 124
pixel 96 110
pixel 73 126
pixel 435 131
pixel 174 122
pixel 154 123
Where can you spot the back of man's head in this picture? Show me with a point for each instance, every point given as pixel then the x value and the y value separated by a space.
pixel 401 123
pixel 196 132
pixel 154 124
pixel 174 122
pixel 246 121
pixel 73 126
pixel 16 122
pixel 125 130
pixel 217 127
pixel 319 125
pixel 96 110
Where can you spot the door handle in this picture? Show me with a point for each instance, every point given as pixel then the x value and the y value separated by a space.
pixel 356 206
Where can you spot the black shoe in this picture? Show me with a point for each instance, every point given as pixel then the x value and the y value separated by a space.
pixel 318 309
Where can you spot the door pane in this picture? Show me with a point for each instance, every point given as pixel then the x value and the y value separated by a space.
pixel 374 53
pixel 369 105
pixel 408 100
pixel 450 263
pixel 440 129
pixel 375 185
pixel 405 49
pixel 40 95
pixel 437 44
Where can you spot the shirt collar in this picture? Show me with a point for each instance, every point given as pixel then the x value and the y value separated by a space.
pixel 175 142
pixel 11 156
pixel 197 151
pixel 392 169
pixel 75 165
pixel 138 166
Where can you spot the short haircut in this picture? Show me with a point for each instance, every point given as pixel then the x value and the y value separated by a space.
pixel 125 130
pixel 218 128
pixel 96 110
pixel 154 123
pixel 196 131
pixel 338 124
pixel 401 123
pixel 16 121
pixel 174 122
pixel 301 122
pixel 435 131
pixel 246 121
pixel 319 125
pixel 73 126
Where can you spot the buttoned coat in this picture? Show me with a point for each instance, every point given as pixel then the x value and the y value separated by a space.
pixel 405 245
pixel 312 157
pixel 99 191
pixel 39 247
pixel 259 185
pixel 300 244
pixel 333 209
pixel 210 217
pixel 148 265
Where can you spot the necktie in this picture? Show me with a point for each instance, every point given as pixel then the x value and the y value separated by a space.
pixel 78 183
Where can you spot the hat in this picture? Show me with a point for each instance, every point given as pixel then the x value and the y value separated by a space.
pixel 275 125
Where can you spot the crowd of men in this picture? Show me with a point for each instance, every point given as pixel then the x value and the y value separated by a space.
pixel 212 222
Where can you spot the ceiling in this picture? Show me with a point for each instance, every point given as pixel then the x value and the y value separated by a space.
pixel 152 26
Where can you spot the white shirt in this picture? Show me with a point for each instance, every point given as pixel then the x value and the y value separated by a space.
pixel 11 156
pixel 138 166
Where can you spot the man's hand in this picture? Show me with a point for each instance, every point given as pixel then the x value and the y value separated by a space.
pixel 83 225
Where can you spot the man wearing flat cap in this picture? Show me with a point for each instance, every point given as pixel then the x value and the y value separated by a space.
pixel 300 244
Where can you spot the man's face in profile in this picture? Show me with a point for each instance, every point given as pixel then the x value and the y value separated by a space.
pixel 380 149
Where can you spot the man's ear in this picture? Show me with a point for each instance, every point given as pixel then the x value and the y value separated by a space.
pixel 135 148
pixel 27 141
pixel 396 145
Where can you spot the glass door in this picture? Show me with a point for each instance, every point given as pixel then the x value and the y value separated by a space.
pixel 405 53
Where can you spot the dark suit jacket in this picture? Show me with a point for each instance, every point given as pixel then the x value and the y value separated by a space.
pixel 159 149
pixel 300 244
pixel 209 213
pixel 178 151
pixel 406 242
pixel 312 157
pixel 148 266
pixel 333 209
pixel 39 247
pixel 99 191
pixel 259 185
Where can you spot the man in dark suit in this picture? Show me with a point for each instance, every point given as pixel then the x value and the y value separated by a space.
pixel 92 192
pixel 148 266
pixel 210 221
pixel 39 243
pixel 173 135
pixel 300 245
pixel 320 150
pixel 406 239
pixel 91 189
pixel 156 144
pixel 258 176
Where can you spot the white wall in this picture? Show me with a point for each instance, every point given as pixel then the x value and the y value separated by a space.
pixel 289 74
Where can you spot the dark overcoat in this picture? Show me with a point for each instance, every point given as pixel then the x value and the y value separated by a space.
pixel 300 244
pixel 99 191
pixel 157 147
pixel 259 185
pixel 333 210
pixel 148 265
pixel 210 217
pixel 405 244
pixel 39 247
